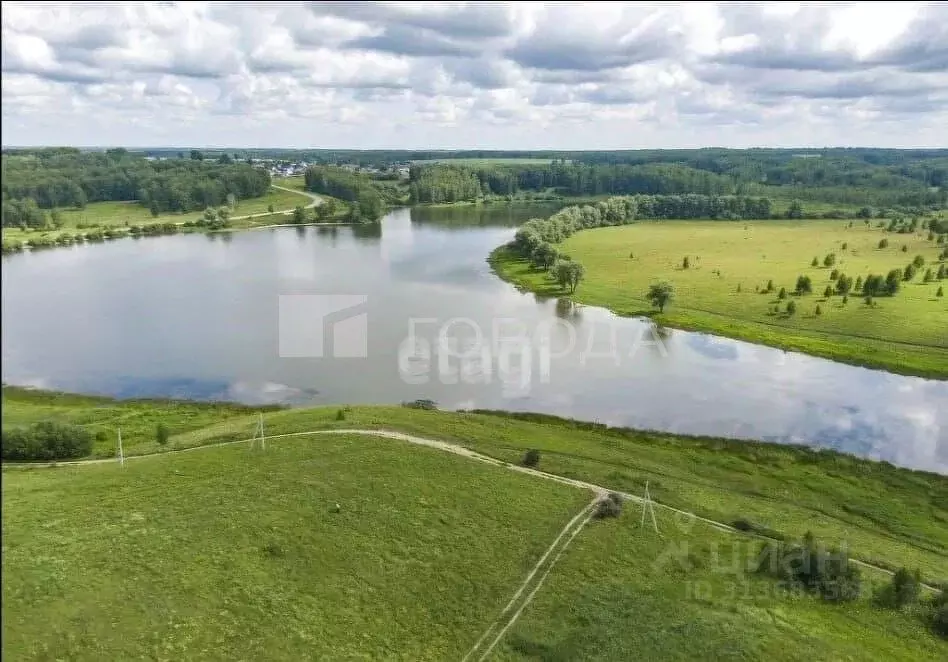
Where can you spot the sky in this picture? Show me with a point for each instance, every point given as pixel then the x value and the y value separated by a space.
pixel 477 75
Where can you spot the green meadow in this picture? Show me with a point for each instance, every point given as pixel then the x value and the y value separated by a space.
pixel 723 290
pixel 238 552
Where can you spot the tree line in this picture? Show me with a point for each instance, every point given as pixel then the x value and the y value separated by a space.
pixel 366 199
pixel 836 180
pixel 46 179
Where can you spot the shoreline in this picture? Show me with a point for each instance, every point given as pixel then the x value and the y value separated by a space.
pixel 911 360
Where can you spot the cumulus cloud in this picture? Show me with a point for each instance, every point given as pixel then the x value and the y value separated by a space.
pixel 474 74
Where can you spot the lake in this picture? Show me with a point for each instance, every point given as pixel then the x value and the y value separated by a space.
pixel 410 310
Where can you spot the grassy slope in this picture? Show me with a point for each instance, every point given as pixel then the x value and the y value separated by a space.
pixel 623 592
pixel 117 214
pixel 225 554
pixel 787 489
pixel 154 537
pixel 749 254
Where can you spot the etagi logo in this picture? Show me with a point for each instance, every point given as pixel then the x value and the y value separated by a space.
pixel 307 321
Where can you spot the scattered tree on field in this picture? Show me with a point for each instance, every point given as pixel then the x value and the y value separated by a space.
pixel 270 208
pixel 660 295
pixel 829 260
pixel 161 434
pixel 834 274
pixel 815 262
pixel 804 285
pixel 904 589
pixel 791 308
pixel 883 243
pixel 928 277
pixel 531 458
pixel 909 272
pixel 940 292
pixel 818 311
pixel 568 273
pixel 782 294
pixel 828 292
pixel 919 261
pixel 685 263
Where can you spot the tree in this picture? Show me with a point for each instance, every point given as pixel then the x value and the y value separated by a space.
pixel 829 260
pixel 844 284
pixel 223 214
pixel 904 248
pixel 883 243
pixel 791 308
pixel 161 434
pixel 918 262
pixel 210 215
pixel 685 263
pixel 196 155
pixel 846 245
pixel 834 274
pixel 660 295
pixel 941 272
pixel 858 285
pixel 795 210
pixel 568 274
pixel 299 215
pixel 770 286
pixel 782 294
pixel 154 208
pixel 909 272
pixel 815 262
pixel 845 299
pixel 544 256
pixel 270 208
pixel 531 458
pixel 56 218
pixel 818 311
pixel 892 281
pixel 804 285
pixel 828 292
pixel 940 292
pixel 928 277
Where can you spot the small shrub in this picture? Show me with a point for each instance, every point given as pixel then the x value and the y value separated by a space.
pixel 101 435
pixel 829 260
pixel 611 506
pixel 883 243
pixel 845 299
pixel 940 292
pixel 815 262
pixel 904 248
pixel 834 274
pixel 818 311
pixel 940 621
pixel 340 415
pixel 828 292
pixel 274 550
pixel 782 294
pixel 845 245
pixel 421 404
pixel 791 307
pixel 685 263
pixel 531 458
pixel 770 286
pixel 161 434
pixel 738 288
pixel 903 590
pixel 918 261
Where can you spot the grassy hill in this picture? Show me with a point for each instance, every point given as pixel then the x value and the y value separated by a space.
pixel 723 290
pixel 231 552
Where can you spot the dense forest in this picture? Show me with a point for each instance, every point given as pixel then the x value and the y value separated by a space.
pixel 833 182
pixel 34 180
pixel 368 199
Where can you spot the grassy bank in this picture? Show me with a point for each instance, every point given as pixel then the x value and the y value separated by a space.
pixel 724 289
pixel 231 552
pixel 117 217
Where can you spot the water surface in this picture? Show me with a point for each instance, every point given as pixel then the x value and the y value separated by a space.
pixel 198 316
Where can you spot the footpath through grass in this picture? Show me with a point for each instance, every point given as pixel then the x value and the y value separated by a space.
pixel 724 289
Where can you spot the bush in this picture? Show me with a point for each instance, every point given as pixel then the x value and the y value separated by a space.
pixel 815 262
pixel 810 566
pixel 531 458
pixel 884 243
pixel 804 285
pixel 421 404
pixel 940 621
pixel 782 294
pixel 46 441
pixel 341 415
pixel 903 590
pixel 791 308
pixel 161 434
pixel 818 311
pixel 611 506
pixel 828 292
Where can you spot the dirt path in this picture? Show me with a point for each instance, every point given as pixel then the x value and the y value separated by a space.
pixel 573 530
pixel 314 201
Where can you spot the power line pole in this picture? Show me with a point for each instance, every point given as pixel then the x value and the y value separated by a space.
pixel 121 453
pixel 647 505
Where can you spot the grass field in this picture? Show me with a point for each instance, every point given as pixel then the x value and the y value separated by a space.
pixel 624 592
pixel 234 553
pixel 118 214
pixel 905 333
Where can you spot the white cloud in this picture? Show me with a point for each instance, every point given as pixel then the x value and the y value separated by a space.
pixel 485 75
